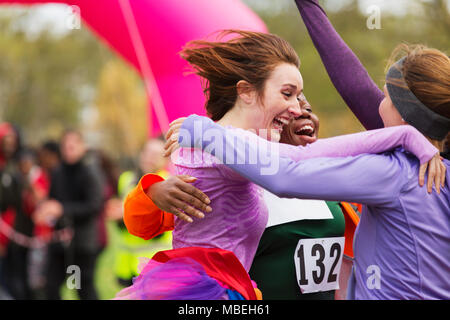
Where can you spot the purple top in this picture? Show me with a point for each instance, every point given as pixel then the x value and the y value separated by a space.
pixel 239 214
pixel 405 232
pixel 346 72
pixel 372 237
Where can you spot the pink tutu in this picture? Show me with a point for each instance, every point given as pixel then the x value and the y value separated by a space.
pixel 176 279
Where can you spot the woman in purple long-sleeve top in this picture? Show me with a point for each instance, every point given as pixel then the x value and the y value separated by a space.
pixel 363 97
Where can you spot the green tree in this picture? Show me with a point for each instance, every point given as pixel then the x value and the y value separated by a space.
pixel 45 80
pixel 429 26
pixel 122 107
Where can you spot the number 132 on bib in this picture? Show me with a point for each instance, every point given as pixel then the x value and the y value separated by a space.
pixel 318 263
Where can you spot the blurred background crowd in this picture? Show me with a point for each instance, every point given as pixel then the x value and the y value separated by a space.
pixel 61 206
pixel 53 78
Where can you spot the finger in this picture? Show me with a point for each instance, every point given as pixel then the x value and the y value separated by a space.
pixel 437 178
pixel 443 174
pixel 179 120
pixel 187 209
pixel 431 174
pixel 195 203
pixel 187 178
pixel 191 190
pixel 168 144
pixel 422 171
pixel 172 129
pixel 181 215
pixel 173 148
pixel 173 137
pixel 169 151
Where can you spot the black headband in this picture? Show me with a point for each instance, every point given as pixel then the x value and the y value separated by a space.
pixel 411 109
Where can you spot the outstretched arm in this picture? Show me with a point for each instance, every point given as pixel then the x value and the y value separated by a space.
pixel 367 179
pixel 346 72
pixel 197 131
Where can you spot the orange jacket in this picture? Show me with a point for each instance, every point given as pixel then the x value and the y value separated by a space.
pixel 141 216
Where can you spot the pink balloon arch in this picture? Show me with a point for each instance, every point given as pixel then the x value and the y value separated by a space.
pixel 149 34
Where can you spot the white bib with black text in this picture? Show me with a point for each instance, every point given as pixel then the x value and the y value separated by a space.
pixel 318 263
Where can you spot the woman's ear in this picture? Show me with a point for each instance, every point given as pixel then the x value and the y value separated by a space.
pixel 246 92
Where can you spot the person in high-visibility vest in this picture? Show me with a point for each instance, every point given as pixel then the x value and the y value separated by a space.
pixel 130 248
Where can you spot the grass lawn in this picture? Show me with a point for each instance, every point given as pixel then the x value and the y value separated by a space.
pixel 105 279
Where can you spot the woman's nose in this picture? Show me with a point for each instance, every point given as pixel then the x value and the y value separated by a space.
pixel 295 110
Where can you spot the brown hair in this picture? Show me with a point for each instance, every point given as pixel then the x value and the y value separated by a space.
pixel 427 74
pixel 251 56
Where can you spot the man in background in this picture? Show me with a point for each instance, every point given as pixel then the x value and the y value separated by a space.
pixel 75 201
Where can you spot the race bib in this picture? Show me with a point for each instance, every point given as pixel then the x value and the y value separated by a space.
pixel 318 263
pixel 284 210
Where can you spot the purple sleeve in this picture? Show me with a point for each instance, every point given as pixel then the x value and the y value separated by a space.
pixel 367 179
pixel 371 141
pixel 198 131
pixel 346 72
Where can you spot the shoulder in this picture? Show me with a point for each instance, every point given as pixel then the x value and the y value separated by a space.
pixel 402 162
pixel 197 158
pixel 193 161
pixel 193 158
pixel 393 167
pixel 397 159
pixel 408 168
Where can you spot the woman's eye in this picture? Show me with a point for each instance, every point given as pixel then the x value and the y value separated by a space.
pixel 287 94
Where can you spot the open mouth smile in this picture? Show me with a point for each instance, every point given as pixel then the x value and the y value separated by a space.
pixel 279 122
pixel 306 130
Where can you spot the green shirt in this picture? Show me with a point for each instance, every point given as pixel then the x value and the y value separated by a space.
pixel 273 267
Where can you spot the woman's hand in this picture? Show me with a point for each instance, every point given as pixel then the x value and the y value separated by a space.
pixel 436 174
pixel 172 136
pixel 177 196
